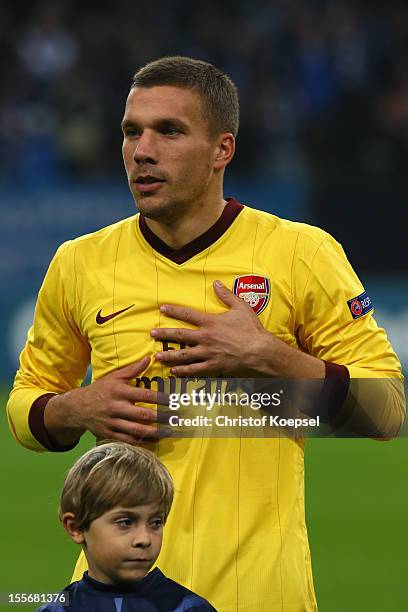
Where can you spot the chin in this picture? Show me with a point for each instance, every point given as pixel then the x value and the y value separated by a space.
pixel 165 212
pixel 149 206
pixel 129 577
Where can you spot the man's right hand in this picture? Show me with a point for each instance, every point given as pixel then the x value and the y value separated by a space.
pixel 106 408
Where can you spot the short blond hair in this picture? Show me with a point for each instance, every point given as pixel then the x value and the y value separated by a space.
pixel 219 95
pixel 114 474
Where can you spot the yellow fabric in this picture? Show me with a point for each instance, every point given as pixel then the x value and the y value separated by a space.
pixel 236 534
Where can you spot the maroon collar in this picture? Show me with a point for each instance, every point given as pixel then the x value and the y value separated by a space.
pixel 179 256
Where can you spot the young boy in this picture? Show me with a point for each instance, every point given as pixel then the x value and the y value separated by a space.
pixel 115 502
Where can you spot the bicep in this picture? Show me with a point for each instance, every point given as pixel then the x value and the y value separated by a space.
pixel 327 328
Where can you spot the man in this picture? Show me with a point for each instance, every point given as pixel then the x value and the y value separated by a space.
pixel 150 298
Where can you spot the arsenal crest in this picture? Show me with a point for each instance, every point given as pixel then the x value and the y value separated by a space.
pixel 254 289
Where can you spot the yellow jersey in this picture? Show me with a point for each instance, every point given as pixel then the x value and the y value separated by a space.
pixel 236 533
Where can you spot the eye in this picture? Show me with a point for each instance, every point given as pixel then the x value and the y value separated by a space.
pixel 130 131
pixel 123 522
pixel 157 523
pixel 170 130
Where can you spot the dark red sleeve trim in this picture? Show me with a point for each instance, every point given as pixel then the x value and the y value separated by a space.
pixel 37 426
pixel 339 389
pixel 334 370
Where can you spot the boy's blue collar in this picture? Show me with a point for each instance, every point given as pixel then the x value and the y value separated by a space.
pixel 125 587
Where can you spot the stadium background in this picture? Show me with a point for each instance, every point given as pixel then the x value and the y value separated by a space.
pixel 323 139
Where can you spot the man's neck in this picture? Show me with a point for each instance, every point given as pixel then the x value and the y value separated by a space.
pixel 182 231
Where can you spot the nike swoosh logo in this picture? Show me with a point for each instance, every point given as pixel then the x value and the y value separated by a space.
pixel 100 319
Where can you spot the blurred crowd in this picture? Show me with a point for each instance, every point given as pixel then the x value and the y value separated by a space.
pixel 323 84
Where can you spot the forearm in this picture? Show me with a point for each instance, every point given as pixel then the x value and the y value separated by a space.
pixel 371 405
pixel 270 357
pixel 18 414
pixel 61 419
pixel 374 407
pixel 25 411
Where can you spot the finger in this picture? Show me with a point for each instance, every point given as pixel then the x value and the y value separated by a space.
pixel 183 356
pixel 132 413
pixel 178 334
pixel 182 313
pixel 136 431
pixel 139 431
pixel 138 394
pixel 136 414
pixel 204 368
pixel 163 415
pixel 120 437
pixel 133 441
pixel 228 297
pixel 133 369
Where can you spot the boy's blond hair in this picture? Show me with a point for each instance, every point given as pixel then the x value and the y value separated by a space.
pixel 114 474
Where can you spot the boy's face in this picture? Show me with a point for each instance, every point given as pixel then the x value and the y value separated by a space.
pixel 123 544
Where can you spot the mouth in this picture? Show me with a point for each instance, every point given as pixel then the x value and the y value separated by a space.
pixel 147 183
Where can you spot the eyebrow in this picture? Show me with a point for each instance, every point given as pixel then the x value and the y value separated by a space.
pixel 127 123
pixel 158 123
pixel 131 513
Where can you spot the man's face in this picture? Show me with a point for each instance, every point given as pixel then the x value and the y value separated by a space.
pixel 123 544
pixel 168 153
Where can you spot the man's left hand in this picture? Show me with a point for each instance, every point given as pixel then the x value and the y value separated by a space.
pixel 226 343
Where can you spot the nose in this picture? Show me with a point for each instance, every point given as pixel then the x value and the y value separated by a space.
pixel 145 148
pixel 141 537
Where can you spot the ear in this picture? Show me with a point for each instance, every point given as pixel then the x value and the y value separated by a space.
pixel 224 151
pixel 69 524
